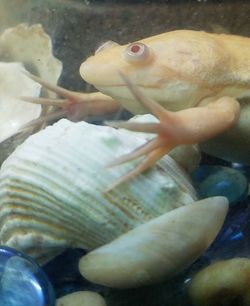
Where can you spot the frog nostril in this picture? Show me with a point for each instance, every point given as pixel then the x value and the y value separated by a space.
pixel 105 45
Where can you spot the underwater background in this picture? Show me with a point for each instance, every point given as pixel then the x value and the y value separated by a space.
pixel 77 28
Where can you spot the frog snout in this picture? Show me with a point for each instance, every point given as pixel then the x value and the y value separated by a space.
pixel 87 72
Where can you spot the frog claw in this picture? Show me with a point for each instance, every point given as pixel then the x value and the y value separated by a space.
pixel 138 152
pixel 152 150
pixel 188 126
pixel 155 128
pixel 67 94
pixel 77 105
pixel 149 160
pixel 45 101
pixel 43 119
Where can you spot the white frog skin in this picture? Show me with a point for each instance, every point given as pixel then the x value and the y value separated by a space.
pixel 190 80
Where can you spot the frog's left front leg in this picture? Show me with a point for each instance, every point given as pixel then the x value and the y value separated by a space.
pixel 189 126
pixel 75 105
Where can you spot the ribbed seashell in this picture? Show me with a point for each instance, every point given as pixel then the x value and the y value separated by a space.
pixel 53 189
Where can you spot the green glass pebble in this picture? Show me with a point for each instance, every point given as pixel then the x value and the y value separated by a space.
pixel 212 181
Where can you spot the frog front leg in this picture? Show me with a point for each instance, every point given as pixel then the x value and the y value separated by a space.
pixel 74 105
pixel 188 126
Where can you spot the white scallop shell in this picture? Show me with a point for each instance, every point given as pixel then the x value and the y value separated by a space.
pixel 52 189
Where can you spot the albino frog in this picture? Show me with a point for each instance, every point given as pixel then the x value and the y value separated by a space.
pixel 190 80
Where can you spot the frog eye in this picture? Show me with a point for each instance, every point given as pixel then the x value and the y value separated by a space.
pixel 137 52
pixel 106 45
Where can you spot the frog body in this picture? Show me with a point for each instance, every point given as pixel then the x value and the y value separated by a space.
pixel 186 69
pixel 192 81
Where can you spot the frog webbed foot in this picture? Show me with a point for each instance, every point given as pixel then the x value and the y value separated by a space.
pixel 188 126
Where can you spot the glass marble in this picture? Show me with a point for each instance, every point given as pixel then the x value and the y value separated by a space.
pixel 23 282
pixel 220 181
pixel 245 170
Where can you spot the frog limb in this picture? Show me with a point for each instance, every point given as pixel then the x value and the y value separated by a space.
pixel 55 115
pixel 45 101
pixel 76 105
pixel 150 159
pixel 188 126
pixel 140 151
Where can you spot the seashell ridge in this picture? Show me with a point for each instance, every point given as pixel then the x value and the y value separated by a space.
pixel 52 189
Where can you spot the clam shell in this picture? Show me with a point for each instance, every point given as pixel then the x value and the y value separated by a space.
pixel 53 189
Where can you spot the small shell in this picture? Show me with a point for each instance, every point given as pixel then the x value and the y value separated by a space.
pixel 157 249
pixel 52 189
pixel 15 113
pixel 226 281
pixel 32 47
pixel 81 298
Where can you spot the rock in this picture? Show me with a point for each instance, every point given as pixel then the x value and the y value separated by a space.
pixel 81 298
pixel 220 181
pixel 222 283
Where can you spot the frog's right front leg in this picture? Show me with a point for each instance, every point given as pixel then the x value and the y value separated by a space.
pixel 187 126
pixel 75 105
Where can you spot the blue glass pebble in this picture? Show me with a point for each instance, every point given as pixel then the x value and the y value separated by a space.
pixel 220 181
pixel 245 170
pixel 233 239
pixel 23 282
